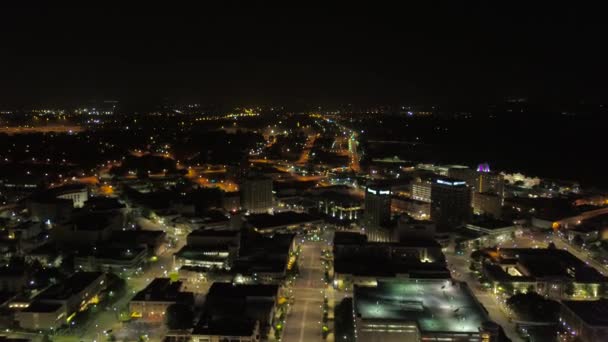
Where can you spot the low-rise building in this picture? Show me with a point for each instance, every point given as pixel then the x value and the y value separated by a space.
pixel 56 305
pixel 226 329
pixel 238 302
pixel 111 259
pixel 420 310
pixel 585 321
pixel 151 303
pixel 554 273
pixel 359 262
pixel 288 221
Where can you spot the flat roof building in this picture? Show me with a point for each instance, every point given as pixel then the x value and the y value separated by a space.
pixel 152 302
pixel 413 310
pixel 585 321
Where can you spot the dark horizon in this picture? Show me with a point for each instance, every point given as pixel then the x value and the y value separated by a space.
pixel 467 54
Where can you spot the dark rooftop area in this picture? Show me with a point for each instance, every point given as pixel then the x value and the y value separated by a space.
pixel 161 290
pixel 242 291
pixel 233 326
pixel 37 306
pixel 262 221
pixel 73 285
pixel 349 238
pixel 594 313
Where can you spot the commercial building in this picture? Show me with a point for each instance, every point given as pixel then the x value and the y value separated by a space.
pixel 490 182
pixel 421 190
pixel 487 203
pixel 213 237
pixel 256 194
pixel 480 180
pixel 226 329
pixel 377 212
pixel 152 302
pixel 415 310
pixel 219 257
pixel 554 273
pixel 287 221
pixel 87 230
pixel 585 321
pixel 409 228
pixel 419 210
pixel 484 232
pixel 111 259
pixel 359 262
pixel 56 305
pixel 77 193
pixel 451 203
pixel 227 302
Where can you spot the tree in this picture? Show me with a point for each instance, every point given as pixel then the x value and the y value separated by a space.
pixel 533 307
pixel 569 289
pixel 179 316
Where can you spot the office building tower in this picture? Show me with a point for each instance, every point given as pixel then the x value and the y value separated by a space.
pixel 450 203
pixel 421 190
pixel 256 194
pixel 377 210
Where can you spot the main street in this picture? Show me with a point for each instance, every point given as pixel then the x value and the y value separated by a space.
pixel 305 320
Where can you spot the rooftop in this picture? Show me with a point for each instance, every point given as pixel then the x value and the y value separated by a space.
pixel 384 268
pixel 233 326
pixel 37 306
pixel 287 218
pixel 162 290
pixel 209 253
pixel 594 313
pixel 214 233
pixel 71 286
pixel 349 238
pixel 242 291
pixel 544 262
pixel 112 252
pixel 435 305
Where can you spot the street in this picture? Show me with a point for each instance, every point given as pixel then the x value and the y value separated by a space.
pixel 305 320
pixel 459 265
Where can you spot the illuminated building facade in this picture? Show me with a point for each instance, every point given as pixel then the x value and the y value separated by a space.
pixel 421 190
pixel 420 310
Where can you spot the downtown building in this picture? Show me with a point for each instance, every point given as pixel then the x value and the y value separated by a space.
pixel 420 310
pixel 451 203
pixel 487 188
pixel 256 194
pixel 377 212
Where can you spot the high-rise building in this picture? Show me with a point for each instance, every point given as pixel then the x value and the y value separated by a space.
pixel 450 203
pixel 491 182
pixel 421 190
pixel 256 194
pixel 377 209
pixel 485 203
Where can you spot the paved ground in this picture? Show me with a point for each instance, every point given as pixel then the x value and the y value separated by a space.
pixel 304 322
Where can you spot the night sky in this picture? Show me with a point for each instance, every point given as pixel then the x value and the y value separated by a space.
pixel 474 53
